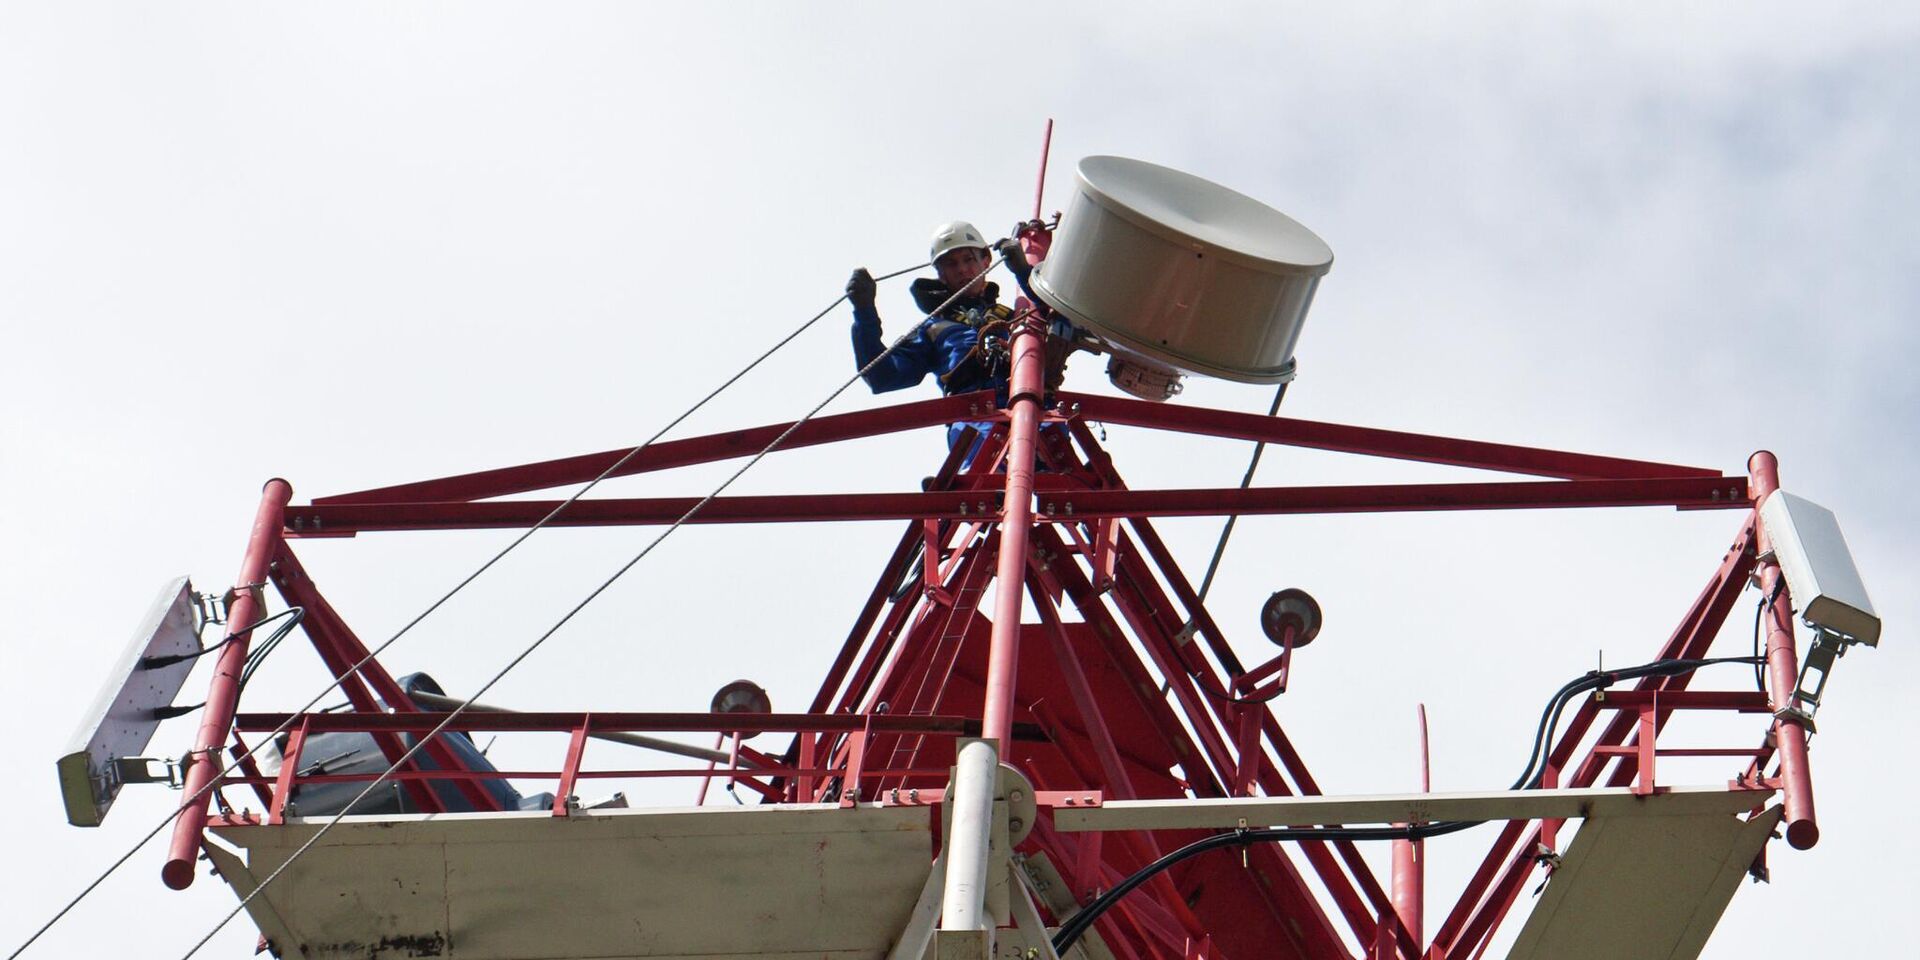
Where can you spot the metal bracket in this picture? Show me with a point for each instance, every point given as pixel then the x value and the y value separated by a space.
pixel 1818 665
pixel 140 770
pixel 208 610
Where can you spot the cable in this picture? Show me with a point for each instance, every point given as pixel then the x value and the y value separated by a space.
pixel 589 598
pixel 150 663
pixel 258 657
pixel 1078 924
pixel 431 608
pixel 1226 532
pixel 1759 670
pixel 1225 695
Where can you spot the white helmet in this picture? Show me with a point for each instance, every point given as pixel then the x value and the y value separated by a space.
pixel 956 235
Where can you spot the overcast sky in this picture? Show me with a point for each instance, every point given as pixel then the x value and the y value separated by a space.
pixel 372 243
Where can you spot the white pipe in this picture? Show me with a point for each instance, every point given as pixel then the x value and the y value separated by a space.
pixel 968 838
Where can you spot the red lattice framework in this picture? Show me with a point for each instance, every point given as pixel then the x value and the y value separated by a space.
pixel 1125 688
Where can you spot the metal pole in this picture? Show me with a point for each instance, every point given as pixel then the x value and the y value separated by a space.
pixel 963 903
pixel 438 702
pixel 1783 671
pixel 1409 865
pixel 1023 403
pixel 223 694
pixel 1040 185
pixel 976 770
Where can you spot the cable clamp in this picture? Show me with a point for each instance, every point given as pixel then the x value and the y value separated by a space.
pixel 1796 715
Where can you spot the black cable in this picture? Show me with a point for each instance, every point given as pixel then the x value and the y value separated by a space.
pixel 150 663
pixel 267 646
pixel 1759 668
pixel 1077 925
pixel 1226 532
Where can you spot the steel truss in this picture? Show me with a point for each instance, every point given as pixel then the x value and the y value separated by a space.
pixel 1107 698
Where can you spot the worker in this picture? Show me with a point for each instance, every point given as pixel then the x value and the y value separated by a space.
pixel 949 344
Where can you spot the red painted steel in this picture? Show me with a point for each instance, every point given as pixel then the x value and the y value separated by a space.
pixel 341 649
pixel 1074 705
pixel 422 721
pixel 1492 890
pixel 223 694
pixel 1369 441
pixel 1783 672
pixel 1690 492
pixel 1682 492
pixel 1023 404
pixel 680 453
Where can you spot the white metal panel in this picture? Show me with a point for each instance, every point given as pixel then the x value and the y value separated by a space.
pixel 1651 888
pixel 122 718
pixel 772 881
pixel 1821 576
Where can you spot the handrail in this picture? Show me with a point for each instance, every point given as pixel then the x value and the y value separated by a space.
pixel 748 768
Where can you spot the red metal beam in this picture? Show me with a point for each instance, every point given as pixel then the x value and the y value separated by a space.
pixel 1690 492
pixel 679 453
pixel 608 722
pixel 1683 492
pixel 1485 898
pixel 1365 440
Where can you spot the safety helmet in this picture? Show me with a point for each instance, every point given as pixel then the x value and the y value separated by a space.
pixel 956 235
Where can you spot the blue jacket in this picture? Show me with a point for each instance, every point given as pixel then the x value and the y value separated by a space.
pixel 939 347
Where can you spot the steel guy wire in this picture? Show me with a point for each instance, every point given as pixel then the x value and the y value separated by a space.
pixel 436 605
pixel 589 598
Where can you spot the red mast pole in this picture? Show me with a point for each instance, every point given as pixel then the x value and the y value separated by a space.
pixel 224 693
pixel 1783 670
pixel 1023 404
pixel 1040 187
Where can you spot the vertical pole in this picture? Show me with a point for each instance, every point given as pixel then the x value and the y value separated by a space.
pixel 1040 187
pixel 1783 670
pixel 976 770
pixel 1409 868
pixel 1023 403
pixel 223 694
pixel 963 904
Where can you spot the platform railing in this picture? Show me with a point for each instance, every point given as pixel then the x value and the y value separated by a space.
pixel 772 777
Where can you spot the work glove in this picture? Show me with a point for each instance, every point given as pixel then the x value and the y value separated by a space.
pixel 1016 258
pixel 860 289
pixel 1035 238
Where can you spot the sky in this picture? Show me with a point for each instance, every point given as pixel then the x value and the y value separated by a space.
pixel 360 244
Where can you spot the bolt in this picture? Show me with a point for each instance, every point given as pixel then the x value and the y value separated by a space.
pixel 1015 824
pixel 1069 801
pixel 1016 796
pixel 1089 800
